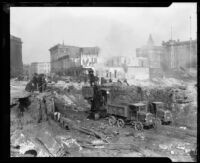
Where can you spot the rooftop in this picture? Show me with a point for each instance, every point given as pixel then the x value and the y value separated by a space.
pixel 178 42
pixel 15 38
pixel 150 41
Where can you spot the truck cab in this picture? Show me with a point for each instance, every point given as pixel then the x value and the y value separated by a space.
pixel 159 111
pixel 139 112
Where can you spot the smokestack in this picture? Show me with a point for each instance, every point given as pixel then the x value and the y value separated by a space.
pixel 171 32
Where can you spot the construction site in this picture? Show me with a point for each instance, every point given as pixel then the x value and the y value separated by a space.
pixel 56 122
pixel 129 90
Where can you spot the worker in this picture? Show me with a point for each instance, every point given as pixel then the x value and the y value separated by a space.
pixel 139 91
pixel 23 105
pixel 42 109
pixel 91 77
pixel 35 81
pixel 30 86
pixel 44 81
pixel 41 83
pixel 96 102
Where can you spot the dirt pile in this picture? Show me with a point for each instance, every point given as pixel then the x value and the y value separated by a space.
pixel 168 95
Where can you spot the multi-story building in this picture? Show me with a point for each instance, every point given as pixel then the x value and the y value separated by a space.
pixel 27 70
pixel 40 68
pixel 16 64
pixel 180 54
pixel 65 58
pixel 152 54
pixel 89 56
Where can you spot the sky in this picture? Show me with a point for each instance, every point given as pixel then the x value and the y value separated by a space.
pixel 117 31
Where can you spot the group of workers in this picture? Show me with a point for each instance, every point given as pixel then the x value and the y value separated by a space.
pixel 37 83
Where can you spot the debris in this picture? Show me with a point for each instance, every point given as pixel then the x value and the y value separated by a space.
pixel 71 145
pixel 180 146
pixel 184 128
pixel 97 142
pixel 43 145
pixel 26 146
pixel 139 135
pixel 162 146
pixel 99 147
pixel 187 150
pixel 172 152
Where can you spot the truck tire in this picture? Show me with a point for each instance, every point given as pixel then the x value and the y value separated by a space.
pixel 112 120
pixel 120 123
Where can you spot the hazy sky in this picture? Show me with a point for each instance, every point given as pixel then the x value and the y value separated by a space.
pixel 117 31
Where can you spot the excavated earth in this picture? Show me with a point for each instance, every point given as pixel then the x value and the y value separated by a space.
pixel 49 139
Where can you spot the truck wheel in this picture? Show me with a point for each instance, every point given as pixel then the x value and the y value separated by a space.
pixel 120 123
pixel 138 126
pixel 112 120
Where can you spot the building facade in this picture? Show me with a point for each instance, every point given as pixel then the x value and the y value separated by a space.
pixel 64 57
pixel 150 55
pixel 27 70
pixel 117 61
pixel 180 54
pixel 40 68
pixel 16 64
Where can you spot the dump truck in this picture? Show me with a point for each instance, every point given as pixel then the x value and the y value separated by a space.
pixel 135 114
pixel 163 115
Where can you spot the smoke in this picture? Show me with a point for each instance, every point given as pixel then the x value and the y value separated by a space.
pixel 120 41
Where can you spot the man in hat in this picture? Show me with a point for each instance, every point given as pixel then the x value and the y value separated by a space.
pixel 91 77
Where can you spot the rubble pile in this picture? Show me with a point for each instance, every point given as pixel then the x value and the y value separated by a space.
pixel 163 94
pixel 37 133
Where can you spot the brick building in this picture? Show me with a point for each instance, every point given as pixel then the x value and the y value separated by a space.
pixel 65 59
pixel 40 68
pixel 16 64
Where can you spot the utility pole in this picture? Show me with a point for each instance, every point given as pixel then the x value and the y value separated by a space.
pixel 171 32
pixel 172 51
pixel 190 60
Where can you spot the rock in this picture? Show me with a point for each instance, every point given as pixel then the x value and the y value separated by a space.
pixel 184 128
pixel 180 147
pixel 187 151
pixel 97 142
pixel 71 145
pixel 140 135
pixel 172 152
pixel 99 147
pixel 133 154
pixel 162 146
pixel 26 146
